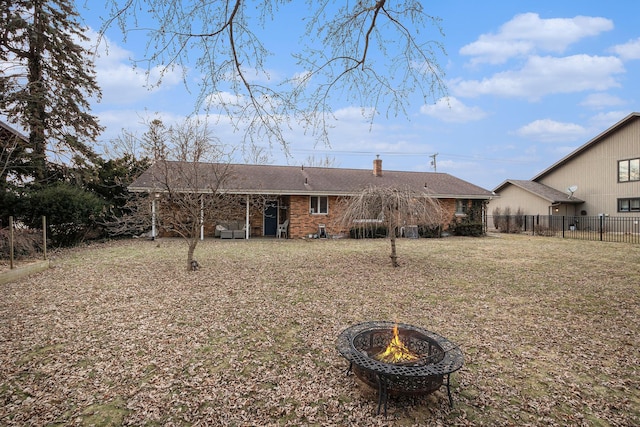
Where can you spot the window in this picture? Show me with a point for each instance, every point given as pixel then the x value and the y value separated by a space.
pixel 319 205
pixel 461 206
pixel 629 205
pixel 629 170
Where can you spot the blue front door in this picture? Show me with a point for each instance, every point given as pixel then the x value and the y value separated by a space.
pixel 271 218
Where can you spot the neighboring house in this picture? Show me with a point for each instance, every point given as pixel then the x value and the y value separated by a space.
pixel 308 196
pixel 602 177
pixel 10 142
pixel 8 134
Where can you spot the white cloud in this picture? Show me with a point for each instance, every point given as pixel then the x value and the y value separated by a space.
pixel 121 82
pixel 451 109
pixel 133 121
pixel 547 130
pixel 355 114
pixel 601 122
pixel 546 75
pixel 301 78
pixel 527 34
pixel 598 101
pixel 628 50
pixel 220 99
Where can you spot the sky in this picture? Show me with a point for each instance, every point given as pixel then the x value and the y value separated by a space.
pixel 528 82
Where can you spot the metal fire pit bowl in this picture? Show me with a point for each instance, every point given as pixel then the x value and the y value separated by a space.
pixel 437 359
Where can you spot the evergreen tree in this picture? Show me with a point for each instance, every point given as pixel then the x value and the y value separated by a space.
pixel 47 78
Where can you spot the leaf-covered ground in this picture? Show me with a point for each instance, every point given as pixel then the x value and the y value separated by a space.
pixel 120 334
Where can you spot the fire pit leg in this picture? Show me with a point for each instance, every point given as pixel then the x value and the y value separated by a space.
pixel 383 394
pixel 349 369
pixel 449 390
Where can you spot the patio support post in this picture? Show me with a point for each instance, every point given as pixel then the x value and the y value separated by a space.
pixel 153 217
pixel 246 220
pixel 202 217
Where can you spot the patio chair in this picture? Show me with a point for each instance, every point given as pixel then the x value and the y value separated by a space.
pixel 282 229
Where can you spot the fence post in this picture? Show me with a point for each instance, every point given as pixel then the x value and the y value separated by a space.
pixel 44 237
pixel 563 226
pixel 11 242
pixel 601 225
pixel 533 225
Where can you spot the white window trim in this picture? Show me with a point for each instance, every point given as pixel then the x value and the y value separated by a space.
pixel 311 211
pixel 461 202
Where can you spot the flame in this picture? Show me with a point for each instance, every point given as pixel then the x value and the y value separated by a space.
pixel 396 351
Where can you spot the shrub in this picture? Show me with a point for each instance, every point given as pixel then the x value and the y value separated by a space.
pixel 71 213
pixel 430 231
pixel 470 224
pixel 464 228
pixel 368 232
pixel 505 222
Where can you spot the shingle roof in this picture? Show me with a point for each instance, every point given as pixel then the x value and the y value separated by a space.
pixel 296 180
pixel 540 190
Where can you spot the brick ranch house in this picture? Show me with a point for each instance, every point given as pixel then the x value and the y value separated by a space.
pixel 308 197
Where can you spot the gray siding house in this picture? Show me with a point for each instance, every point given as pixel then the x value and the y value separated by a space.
pixel 602 177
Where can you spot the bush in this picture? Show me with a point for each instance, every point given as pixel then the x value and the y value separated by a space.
pixel 505 222
pixel 470 224
pixel 71 213
pixel 430 231
pixel 371 232
pixel 464 228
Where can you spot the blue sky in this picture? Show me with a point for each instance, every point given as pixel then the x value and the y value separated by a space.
pixel 528 82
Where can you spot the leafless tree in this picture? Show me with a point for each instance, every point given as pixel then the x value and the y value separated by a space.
pixel 375 53
pixel 321 162
pixel 392 208
pixel 187 176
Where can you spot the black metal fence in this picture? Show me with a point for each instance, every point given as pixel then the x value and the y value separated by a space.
pixel 602 227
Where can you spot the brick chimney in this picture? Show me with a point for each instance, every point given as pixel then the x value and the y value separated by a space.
pixel 377 166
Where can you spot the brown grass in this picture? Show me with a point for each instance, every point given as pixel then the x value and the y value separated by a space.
pixel 119 334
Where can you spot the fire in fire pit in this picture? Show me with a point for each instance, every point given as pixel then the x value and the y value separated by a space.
pixel 399 358
pixel 396 351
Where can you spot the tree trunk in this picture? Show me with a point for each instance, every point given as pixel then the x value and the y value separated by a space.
pixel 36 103
pixel 193 242
pixel 394 257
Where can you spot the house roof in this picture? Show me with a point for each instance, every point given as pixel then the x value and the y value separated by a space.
pixel 297 180
pixel 7 132
pixel 540 190
pixel 624 122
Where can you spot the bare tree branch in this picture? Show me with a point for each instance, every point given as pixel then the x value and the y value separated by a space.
pixel 370 52
pixel 392 208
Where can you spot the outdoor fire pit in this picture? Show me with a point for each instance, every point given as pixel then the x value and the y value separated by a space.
pixel 399 359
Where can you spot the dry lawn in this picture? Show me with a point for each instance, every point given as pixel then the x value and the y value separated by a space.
pixel 119 334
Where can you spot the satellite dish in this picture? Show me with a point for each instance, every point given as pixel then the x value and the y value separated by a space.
pixel 572 190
